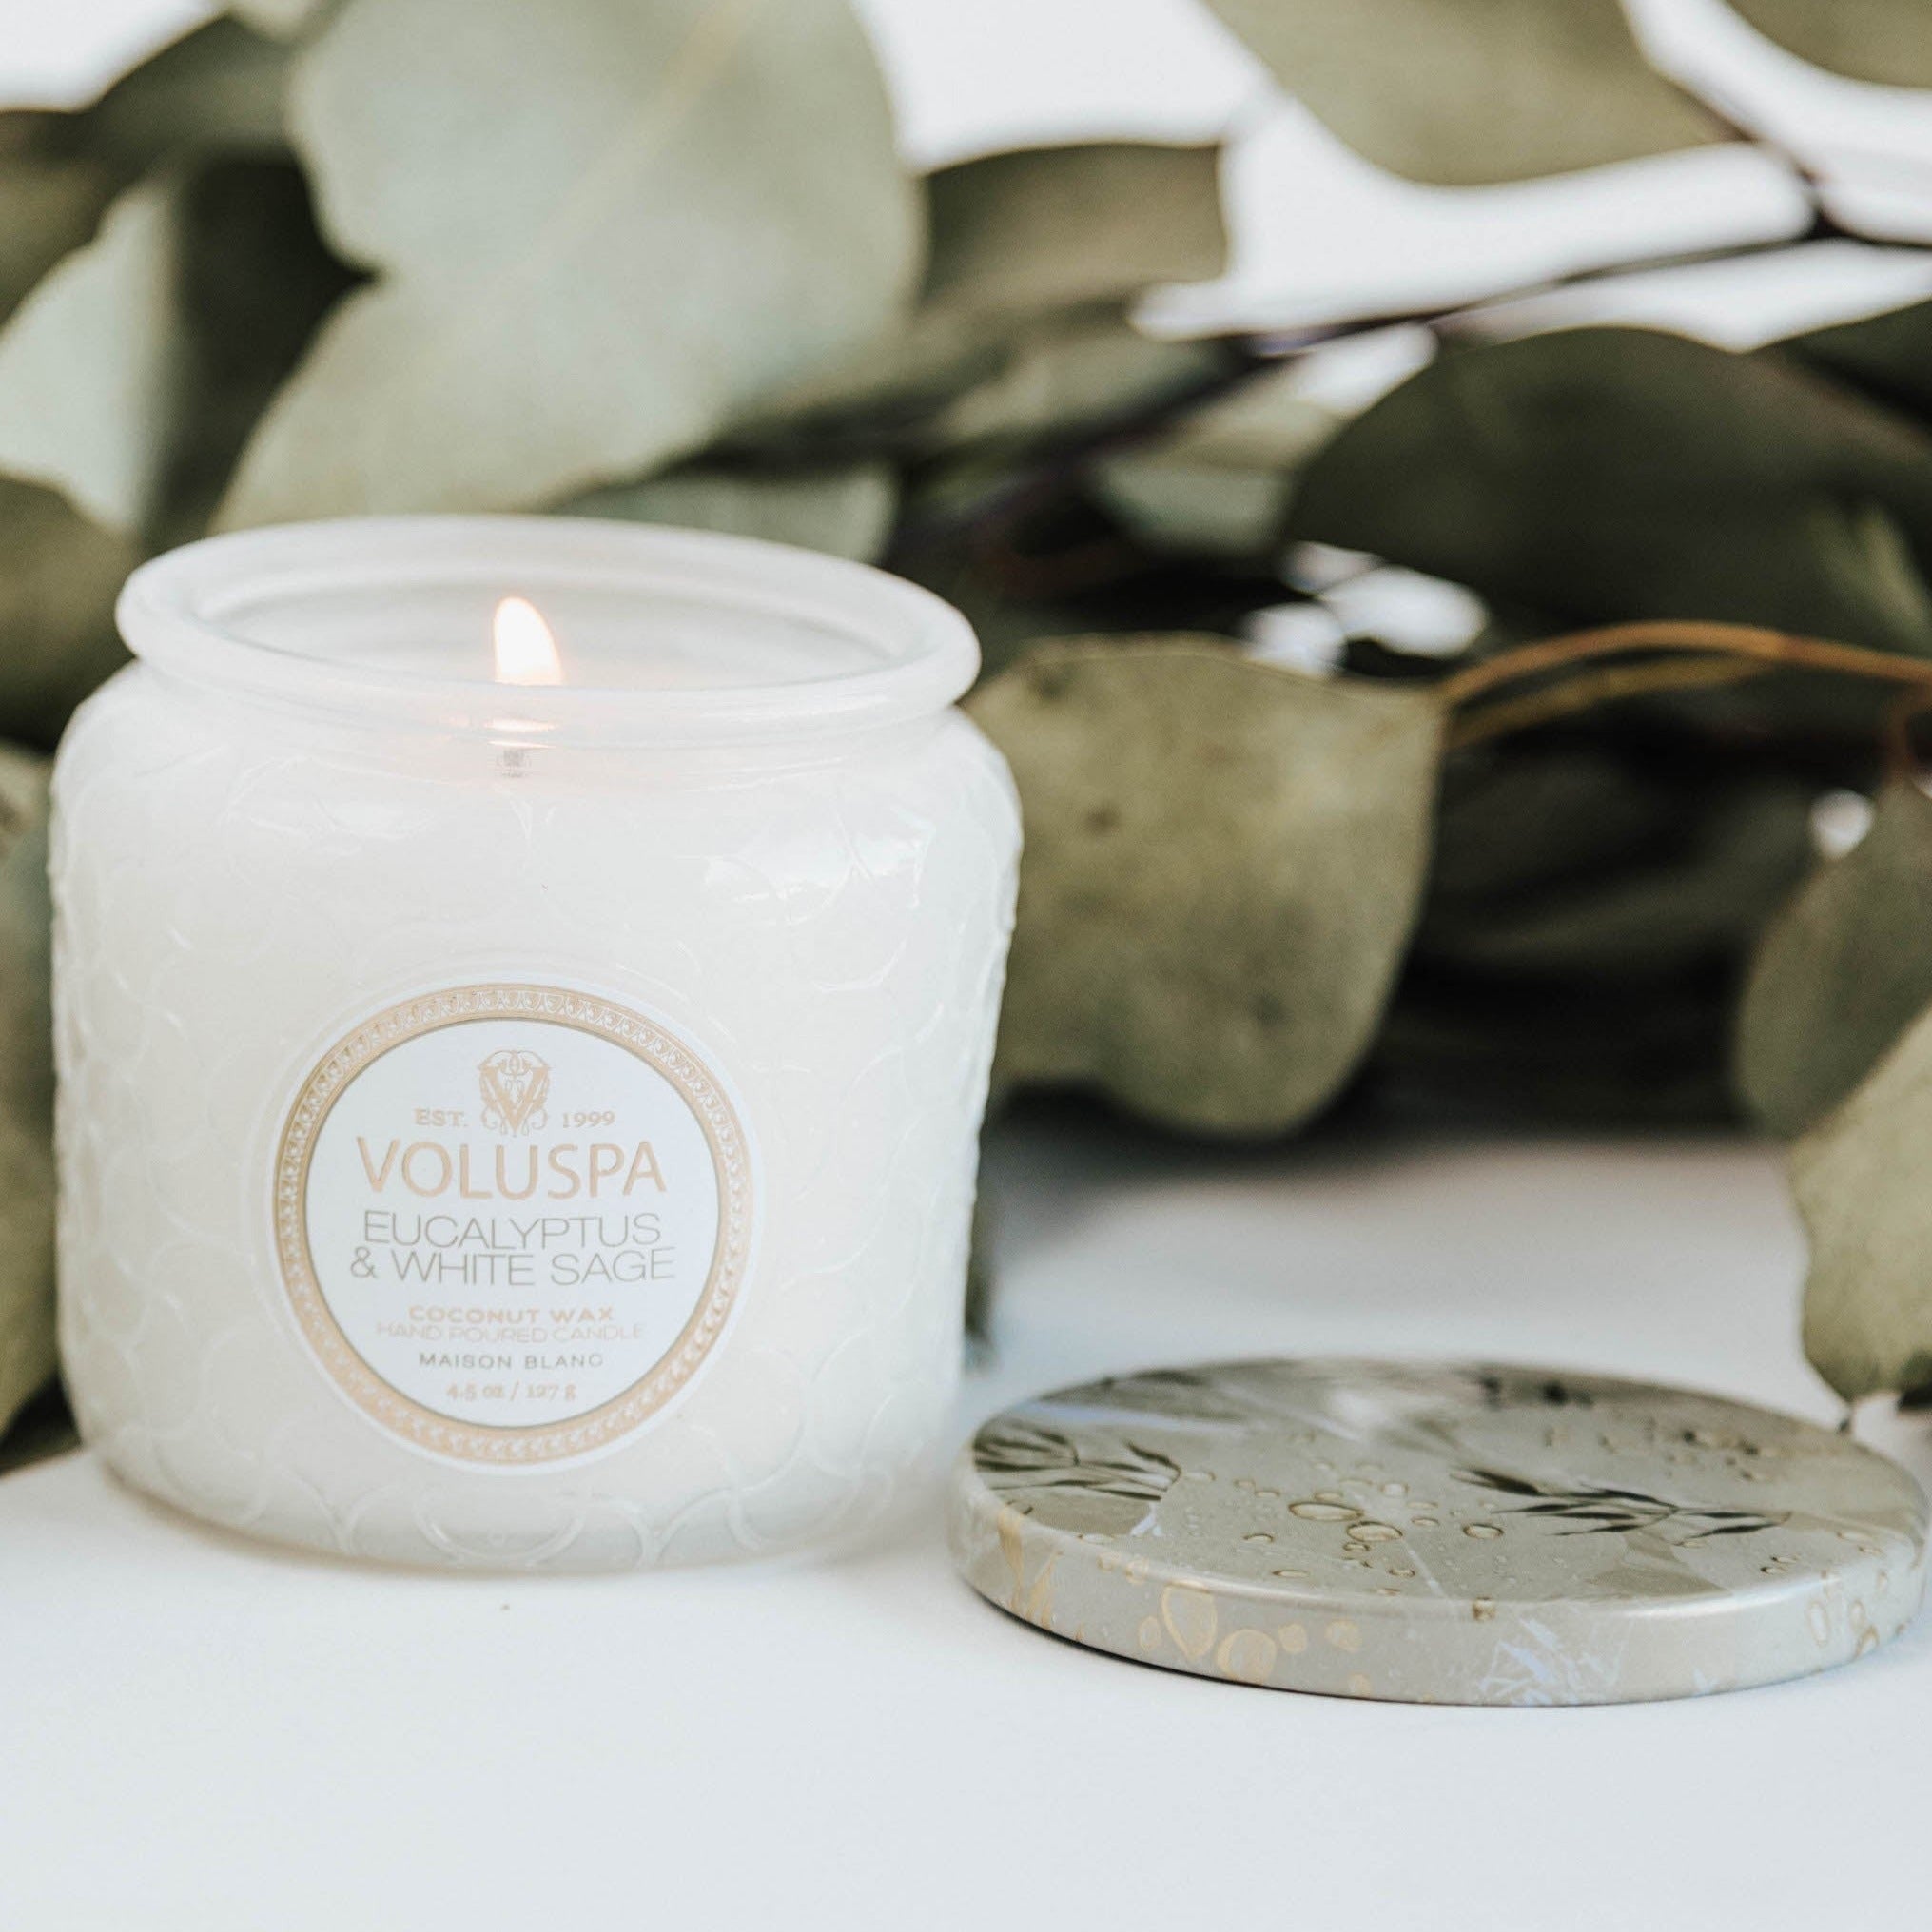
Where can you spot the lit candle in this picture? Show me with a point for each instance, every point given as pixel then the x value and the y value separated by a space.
pixel 525 653
pixel 517 1099
pixel 525 650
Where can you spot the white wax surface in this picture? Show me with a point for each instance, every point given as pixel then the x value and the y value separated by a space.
pixel 606 639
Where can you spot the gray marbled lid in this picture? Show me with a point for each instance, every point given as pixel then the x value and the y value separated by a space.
pixel 1464 1533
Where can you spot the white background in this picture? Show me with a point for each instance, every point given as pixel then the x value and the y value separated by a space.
pixel 198 1733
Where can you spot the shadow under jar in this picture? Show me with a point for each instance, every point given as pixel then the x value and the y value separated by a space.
pixel 524 1123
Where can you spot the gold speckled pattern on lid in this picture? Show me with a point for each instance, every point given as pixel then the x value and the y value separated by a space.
pixel 1463 1533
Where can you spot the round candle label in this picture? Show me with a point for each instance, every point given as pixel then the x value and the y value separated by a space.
pixel 511 1219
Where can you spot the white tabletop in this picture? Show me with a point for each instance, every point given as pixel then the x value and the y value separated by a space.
pixel 199 1733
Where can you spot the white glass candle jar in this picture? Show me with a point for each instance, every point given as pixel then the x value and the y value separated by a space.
pixel 519 1121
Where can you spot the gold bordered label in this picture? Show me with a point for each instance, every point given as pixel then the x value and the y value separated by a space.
pixel 512 1219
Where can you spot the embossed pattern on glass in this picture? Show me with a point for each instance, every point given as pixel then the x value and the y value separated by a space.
pixel 242 883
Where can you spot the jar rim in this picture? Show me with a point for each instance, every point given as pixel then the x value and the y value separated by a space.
pixel 177 612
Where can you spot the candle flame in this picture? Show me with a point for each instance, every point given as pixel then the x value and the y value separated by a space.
pixel 526 652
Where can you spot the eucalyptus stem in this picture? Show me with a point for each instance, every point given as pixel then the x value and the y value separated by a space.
pixel 1593 687
pixel 1702 643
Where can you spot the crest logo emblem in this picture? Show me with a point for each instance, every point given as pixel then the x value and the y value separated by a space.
pixel 514 1086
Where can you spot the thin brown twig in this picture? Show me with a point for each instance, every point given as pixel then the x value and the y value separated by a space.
pixel 1594 688
pixel 1773 649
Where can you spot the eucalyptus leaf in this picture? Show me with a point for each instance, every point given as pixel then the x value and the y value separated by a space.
pixel 1565 473
pixel 1029 565
pixel 1859 1181
pixel 883 399
pixel 1520 816
pixel 1842 971
pixel 128 380
pixel 284 19
pixel 1221 478
pixel 1461 93
pixel 1266 421
pixel 1887 355
pixel 1060 377
pixel 1223 863
pixel 604 226
pixel 846 511
pixel 1866 557
pixel 59 576
pixel 85 364
pixel 218 89
pixel 1887 40
pixel 1593 1054
pixel 1043 228
pixel 26 1346
pixel 1198 507
pixel 48 205
pixel 130 376
pixel 253 282
pixel 1023 327
pixel 1695 892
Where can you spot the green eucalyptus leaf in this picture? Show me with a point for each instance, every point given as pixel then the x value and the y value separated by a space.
pixel 1221 480
pixel 846 511
pixel 27 1350
pixel 604 226
pixel 1887 40
pixel 1197 507
pixel 1860 1182
pixel 1023 328
pixel 1520 816
pixel 1591 1053
pixel 1059 376
pixel 1695 891
pixel 253 282
pixel 59 577
pixel 85 364
pixel 1043 228
pixel 1221 866
pixel 881 399
pixel 1563 473
pixel 1887 355
pixel 131 375
pixel 49 207
pixel 1866 557
pixel 1842 971
pixel 1263 423
pixel 284 19
pixel 1461 93
pixel 129 379
pixel 218 89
